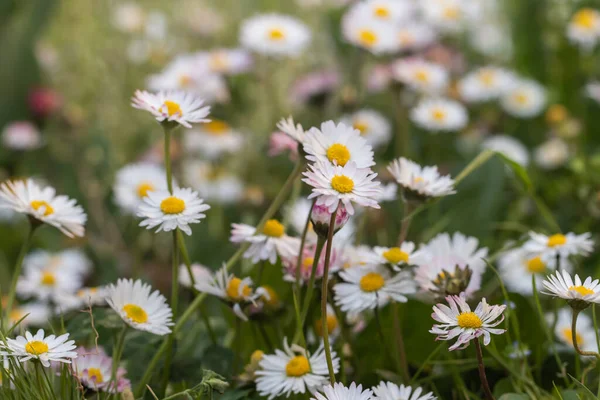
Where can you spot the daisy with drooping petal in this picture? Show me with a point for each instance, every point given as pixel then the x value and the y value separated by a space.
pixel 340 392
pixel 485 84
pixel 576 292
pixel 139 308
pixel 525 99
pixel 293 130
pixel 397 257
pixel 172 106
pixel 134 181
pixel 391 391
pixel 213 139
pixel 420 182
pixel 509 147
pixel 171 211
pixel 41 347
pixel 371 286
pixel 265 245
pixel 338 144
pixel 373 35
pixel 275 35
pixel 559 245
pixel 27 197
pixel 373 126
pixel 420 75
pixel 293 370
pixel 584 28
pixel 439 115
pixel 93 368
pixel 586 338
pixel 458 321
pixel 349 184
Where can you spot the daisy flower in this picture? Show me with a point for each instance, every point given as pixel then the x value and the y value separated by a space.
pixel 42 348
pixel 265 245
pixel 226 61
pixel 439 115
pixel 335 184
pixel 373 35
pixel 509 147
pixel 372 125
pixel 30 314
pixel 459 321
pixel 84 298
pixel 213 139
pixel 584 28
pixel 338 144
pixel 387 11
pixel 415 36
pixel 420 75
pixel 21 135
pixel 420 182
pixel 485 84
pixel 139 308
pixel 356 256
pixel 559 245
pixel 340 392
pixel 295 131
pixel 134 181
pixel 448 16
pixel 586 338
pixel 172 106
pixel 552 154
pixel 213 183
pixel 397 257
pixel 200 273
pixel 172 211
pixel 71 261
pixel 47 284
pixel 27 197
pixel 577 293
pixel 93 368
pixel 293 370
pixel 275 35
pixel 371 286
pixel 525 99
pixel 391 391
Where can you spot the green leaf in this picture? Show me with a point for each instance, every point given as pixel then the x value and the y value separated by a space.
pixel 514 396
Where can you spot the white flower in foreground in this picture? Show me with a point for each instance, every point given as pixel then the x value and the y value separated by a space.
pixel 172 106
pixel 485 84
pixel 200 273
pixel 576 292
pixel 338 144
pixel 559 245
pixel 509 147
pixel 27 197
pixel 391 391
pixel 348 184
pixel 134 181
pixel 275 35
pixel 139 308
pixel 439 115
pixel 372 125
pixel 171 211
pixel 417 181
pixel 21 135
pixel 371 286
pixel 340 392
pixel 420 75
pixel 397 257
pixel 265 245
pixel 42 348
pixel 586 338
pixel 526 99
pixel 93 368
pixel 584 28
pixel 370 34
pixel 213 139
pixel 293 130
pixel 552 154
pixel 293 370
pixel 458 321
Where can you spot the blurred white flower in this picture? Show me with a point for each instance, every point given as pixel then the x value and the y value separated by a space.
pixel 422 76
pixel 525 99
pixel 449 16
pixel 134 181
pixel 439 115
pixel 397 257
pixel 93 369
pixel 559 245
pixel 200 273
pixel 370 34
pixel 416 180
pixel 586 338
pixel 584 28
pixel 509 147
pixel 552 154
pixel 21 135
pixel 225 61
pixel 275 35
pixel 390 11
pixel 372 125
pixel 214 184
pixel 32 314
pixel 415 36
pixel 129 17
pixel 485 84
pixel 213 139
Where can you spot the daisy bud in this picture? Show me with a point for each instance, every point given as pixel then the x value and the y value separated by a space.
pixel 452 284
pixel 320 218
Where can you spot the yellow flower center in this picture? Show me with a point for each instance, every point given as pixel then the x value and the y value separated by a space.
pixel 487 77
pixel 135 313
pixel 143 189
pixel 521 98
pixel 556 113
pixel 418 179
pixel 96 375
pixel 233 289
pixel 48 279
pixel 256 356
pixel 360 126
pixel 342 184
pixel 273 299
pixel 216 127
pixel 585 18
pixel 297 366
pixel 556 240
pixel 48 210
pixel 422 76
pixel 36 347
pixel 382 12
pixel 276 34
pixel 172 108
pixel 367 38
pixel 185 81
pixel 582 290
pixel 438 114
pixel 274 228
pixel 469 320
pixel 16 315
pixel 536 265
pixel 307 263
pixel 339 153
pixel 452 13
pixel 371 282
pixel 172 205
pixel 568 336
pixel 332 324
pixel 395 255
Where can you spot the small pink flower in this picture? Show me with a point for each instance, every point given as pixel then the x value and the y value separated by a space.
pixel 44 101
pixel 279 143
pixel 306 262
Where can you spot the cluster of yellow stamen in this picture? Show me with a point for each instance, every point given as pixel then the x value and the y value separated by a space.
pixel 367 38
pixel 360 126
pixel 339 153
pixel 274 228
pixel 342 184
pixel 297 367
pixel 469 320
pixel 37 204
pixel 276 34
pixel 421 76
pixel 135 313
pixel 582 290
pixel 332 324
pixel 556 240
pixel 216 127
pixel 48 278
pixel 36 347
pixel 173 108
pixel 438 114
pixel 535 265
pixel 233 289
pixel 172 205
pixel 395 255
pixel 586 18
pixel 382 12
pixel 371 282
pixel 143 189
pixel 95 374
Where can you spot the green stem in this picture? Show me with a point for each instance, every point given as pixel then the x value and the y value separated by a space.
pixel 296 292
pixel 481 367
pixel 324 292
pixel 19 266
pixel 117 354
pixel 167 160
pixel 402 362
pixel 47 379
pixel 574 337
